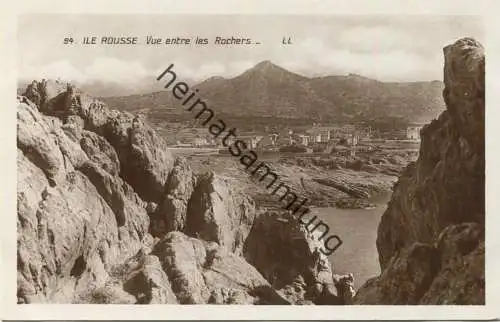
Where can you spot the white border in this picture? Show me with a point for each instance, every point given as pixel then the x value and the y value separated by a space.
pixel 10 310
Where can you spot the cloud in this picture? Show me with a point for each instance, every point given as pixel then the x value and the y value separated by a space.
pixel 112 69
pixel 395 65
pixel 387 62
pixel 203 71
pixel 102 69
pixel 377 39
pixel 59 69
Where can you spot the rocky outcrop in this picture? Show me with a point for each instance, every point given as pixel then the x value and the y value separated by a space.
pixel 144 158
pixel 204 272
pixel 107 215
pixel 74 219
pixel 216 213
pixel 431 237
pixel 179 187
pixel 288 256
pixel 205 207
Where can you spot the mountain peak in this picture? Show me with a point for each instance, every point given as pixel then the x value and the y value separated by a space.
pixel 265 65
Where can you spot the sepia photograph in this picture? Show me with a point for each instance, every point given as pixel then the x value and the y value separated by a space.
pixel 233 160
pixel 288 160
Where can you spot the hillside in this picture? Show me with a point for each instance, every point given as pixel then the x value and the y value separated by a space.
pixel 269 90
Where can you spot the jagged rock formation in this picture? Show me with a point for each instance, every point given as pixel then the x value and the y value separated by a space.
pixel 289 257
pixel 431 238
pixel 204 272
pixel 74 219
pixel 179 187
pixel 107 215
pixel 216 214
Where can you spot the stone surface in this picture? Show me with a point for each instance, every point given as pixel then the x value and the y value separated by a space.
pixel 144 158
pixel 449 272
pixel 461 278
pixel 434 196
pixel 407 277
pixel 149 283
pixel 76 217
pixel 219 214
pixel 178 189
pixel 204 272
pixel 288 256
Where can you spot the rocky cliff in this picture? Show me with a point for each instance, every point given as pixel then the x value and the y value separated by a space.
pixel 431 237
pixel 107 215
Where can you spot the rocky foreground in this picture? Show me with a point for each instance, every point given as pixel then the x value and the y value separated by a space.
pixel 431 238
pixel 107 215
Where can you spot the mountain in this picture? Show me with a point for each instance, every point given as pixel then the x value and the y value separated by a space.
pixel 265 90
pixel 357 96
pixel 270 90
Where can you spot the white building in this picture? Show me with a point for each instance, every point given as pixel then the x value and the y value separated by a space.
pixel 413 133
pixel 251 141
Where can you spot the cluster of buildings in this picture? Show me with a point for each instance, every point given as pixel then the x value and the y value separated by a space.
pixel 313 137
pixel 344 135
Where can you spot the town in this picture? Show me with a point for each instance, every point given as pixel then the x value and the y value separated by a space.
pixel 342 139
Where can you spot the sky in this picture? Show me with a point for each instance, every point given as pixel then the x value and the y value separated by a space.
pixel 387 48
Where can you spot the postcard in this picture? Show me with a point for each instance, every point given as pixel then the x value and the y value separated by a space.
pixel 182 163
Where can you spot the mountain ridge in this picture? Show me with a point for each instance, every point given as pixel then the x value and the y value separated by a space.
pixel 267 89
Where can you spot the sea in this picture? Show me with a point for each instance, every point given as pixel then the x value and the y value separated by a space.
pixel 357 228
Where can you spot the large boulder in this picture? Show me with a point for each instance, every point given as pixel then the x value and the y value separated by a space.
pixel 203 272
pixel 217 213
pixel 172 212
pixel 444 188
pixel 148 282
pixel 44 91
pixel 407 277
pixel 289 256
